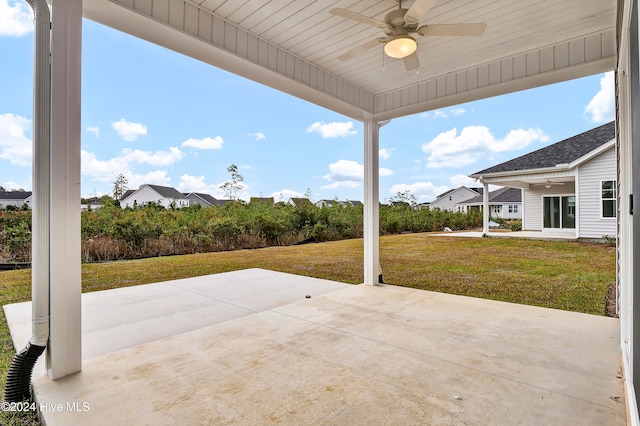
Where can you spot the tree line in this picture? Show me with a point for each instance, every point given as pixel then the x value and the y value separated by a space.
pixel 111 233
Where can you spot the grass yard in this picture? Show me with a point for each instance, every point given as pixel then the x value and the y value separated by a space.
pixel 562 275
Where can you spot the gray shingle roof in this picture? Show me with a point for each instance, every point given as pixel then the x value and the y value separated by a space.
pixel 562 152
pixel 15 195
pixel 206 197
pixel 167 191
pixel 500 195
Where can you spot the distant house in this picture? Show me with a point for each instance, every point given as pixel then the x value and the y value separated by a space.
pixel 204 200
pixel 92 206
pixel 346 203
pixel 569 186
pixel 264 200
pixel 15 198
pixel 503 202
pixel 351 203
pixel 448 200
pixel 164 196
pixel 326 203
pixel 299 202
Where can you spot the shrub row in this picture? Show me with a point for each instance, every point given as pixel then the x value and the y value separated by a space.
pixel 114 233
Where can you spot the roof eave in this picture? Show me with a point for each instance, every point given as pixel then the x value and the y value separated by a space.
pixel 556 168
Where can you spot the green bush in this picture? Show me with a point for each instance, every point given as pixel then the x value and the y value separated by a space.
pixel 112 233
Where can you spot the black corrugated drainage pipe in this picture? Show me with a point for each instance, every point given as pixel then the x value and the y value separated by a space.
pixel 18 385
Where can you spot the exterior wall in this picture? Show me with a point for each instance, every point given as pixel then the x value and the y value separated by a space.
pixel 532 199
pixel 504 209
pixel 457 196
pixel 590 176
pixel 194 199
pixel 146 195
pixel 17 203
pixel 514 215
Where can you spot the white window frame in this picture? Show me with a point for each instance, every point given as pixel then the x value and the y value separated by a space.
pixel 614 199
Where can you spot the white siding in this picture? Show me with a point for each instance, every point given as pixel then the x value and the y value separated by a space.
pixel 590 176
pixel 141 197
pixel 147 195
pixel 449 201
pixel 14 202
pixel 515 215
pixel 533 203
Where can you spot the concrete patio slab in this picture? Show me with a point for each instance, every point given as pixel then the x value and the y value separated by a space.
pixel 357 355
pixel 124 317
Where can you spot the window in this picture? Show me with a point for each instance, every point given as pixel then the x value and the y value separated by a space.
pixel 559 212
pixel 496 209
pixel 513 208
pixel 609 198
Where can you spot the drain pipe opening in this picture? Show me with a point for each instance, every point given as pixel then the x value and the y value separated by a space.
pixel 18 384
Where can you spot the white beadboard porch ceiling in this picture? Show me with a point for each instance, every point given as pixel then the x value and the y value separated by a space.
pixel 293 46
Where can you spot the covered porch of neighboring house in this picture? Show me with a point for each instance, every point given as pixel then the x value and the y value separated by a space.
pixel 549 204
pixel 568 187
pixel 386 351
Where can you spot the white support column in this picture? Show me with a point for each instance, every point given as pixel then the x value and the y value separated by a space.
pixel 371 202
pixel 64 355
pixel 485 209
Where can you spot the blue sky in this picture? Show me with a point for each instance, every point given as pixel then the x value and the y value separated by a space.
pixel 163 118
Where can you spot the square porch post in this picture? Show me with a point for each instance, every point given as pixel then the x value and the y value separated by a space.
pixel 64 348
pixel 485 208
pixel 371 202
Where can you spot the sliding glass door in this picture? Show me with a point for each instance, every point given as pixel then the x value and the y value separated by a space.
pixel 559 212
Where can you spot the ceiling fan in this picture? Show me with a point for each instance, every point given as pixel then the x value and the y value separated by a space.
pixel 548 184
pixel 398 25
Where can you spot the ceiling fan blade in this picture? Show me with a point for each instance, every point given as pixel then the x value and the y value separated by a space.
pixel 360 18
pixel 361 49
pixel 418 10
pixel 411 62
pixel 471 30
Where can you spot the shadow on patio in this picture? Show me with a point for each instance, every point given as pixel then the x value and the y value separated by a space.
pixel 249 347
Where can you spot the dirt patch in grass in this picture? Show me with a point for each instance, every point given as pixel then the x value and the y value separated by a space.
pixel 612 301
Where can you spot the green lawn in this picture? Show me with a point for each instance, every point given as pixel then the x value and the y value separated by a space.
pixel 563 275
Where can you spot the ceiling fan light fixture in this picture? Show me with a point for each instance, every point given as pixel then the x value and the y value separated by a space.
pixel 400 46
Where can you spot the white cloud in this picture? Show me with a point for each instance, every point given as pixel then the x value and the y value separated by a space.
pixel 128 130
pixel 16 18
pixel 344 174
pixel 423 191
pixel 386 153
pixel 15 146
pixel 348 174
pixel 439 113
pixel 206 143
pixel 190 183
pixel 108 170
pixel 601 107
pixel 13 186
pixel 285 194
pixel 94 130
pixel 345 184
pixel 450 149
pixel 157 158
pixel 259 136
pixel 156 177
pixel 335 129
pixel 458 180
